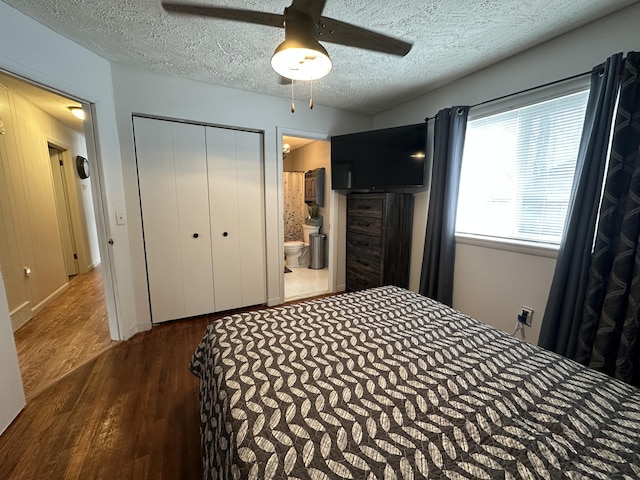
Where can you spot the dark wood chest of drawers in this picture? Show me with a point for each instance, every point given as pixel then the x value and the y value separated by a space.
pixel 379 227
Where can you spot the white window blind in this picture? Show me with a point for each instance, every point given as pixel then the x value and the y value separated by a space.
pixel 517 171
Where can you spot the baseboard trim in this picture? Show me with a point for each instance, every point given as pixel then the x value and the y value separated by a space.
pixel 50 298
pixel 95 264
pixel 137 328
pixel 89 268
pixel 21 316
pixel 272 302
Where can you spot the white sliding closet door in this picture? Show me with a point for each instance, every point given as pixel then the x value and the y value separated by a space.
pixel 174 196
pixel 237 222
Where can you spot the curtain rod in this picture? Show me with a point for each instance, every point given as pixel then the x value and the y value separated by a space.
pixel 526 90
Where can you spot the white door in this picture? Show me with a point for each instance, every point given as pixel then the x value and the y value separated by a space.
pixel 174 196
pixel 12 398
pixel 64 213
pixel 236 193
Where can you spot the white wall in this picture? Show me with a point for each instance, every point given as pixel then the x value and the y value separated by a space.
pixel 83 213
pixel 141 92
pixel 490 284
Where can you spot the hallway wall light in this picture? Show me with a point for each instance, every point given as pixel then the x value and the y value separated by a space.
pixel 77 112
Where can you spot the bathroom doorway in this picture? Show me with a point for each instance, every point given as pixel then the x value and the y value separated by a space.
pixel 306 271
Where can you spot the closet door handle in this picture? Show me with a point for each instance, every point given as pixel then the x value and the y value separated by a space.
pixel 225 234
pixel 195 235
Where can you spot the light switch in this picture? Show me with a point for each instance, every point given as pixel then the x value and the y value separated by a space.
pixel 121 219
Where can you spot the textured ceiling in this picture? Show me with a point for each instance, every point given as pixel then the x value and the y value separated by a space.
pixel 452 38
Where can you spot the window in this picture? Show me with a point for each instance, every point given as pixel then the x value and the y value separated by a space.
pixel 517 171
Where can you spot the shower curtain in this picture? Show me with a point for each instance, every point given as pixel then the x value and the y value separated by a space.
pixel 295 210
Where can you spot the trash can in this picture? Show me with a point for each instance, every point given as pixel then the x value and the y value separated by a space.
pixel 316 250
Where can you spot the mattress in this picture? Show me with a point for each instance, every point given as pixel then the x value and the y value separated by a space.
pixel 388 384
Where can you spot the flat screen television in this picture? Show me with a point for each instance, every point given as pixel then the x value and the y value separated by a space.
pixel 387 160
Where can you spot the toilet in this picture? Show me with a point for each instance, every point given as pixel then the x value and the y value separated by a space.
pixel 297 252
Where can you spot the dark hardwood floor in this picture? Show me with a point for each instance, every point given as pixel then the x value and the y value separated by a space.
pixel 67 333
pixel 130 413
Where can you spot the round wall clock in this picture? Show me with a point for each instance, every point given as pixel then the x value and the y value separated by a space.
pixel 82 164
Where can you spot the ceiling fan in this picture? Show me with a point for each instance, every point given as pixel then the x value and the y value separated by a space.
pixel 301 56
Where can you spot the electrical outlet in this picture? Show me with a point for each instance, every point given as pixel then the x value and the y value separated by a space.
pixel 526 315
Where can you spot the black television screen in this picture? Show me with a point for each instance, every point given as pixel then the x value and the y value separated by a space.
pixel 391 159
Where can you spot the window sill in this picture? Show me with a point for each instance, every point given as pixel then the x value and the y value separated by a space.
pixel 528 248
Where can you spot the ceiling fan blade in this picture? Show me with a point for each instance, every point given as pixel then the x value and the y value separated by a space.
pixel 238 15
pixel 313 8
pixel 335 31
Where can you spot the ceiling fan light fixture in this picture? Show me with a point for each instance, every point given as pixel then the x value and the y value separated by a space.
pixel 301 60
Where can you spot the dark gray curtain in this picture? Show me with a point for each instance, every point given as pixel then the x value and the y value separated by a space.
pixel 563 313
pixel 436 278
pixel 608 336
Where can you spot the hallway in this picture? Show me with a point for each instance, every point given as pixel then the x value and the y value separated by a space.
pixel 66 334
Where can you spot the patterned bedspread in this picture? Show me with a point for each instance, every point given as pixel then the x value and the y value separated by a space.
pixel 387 384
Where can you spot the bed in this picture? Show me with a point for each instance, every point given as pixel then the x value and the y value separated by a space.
pixel 387 384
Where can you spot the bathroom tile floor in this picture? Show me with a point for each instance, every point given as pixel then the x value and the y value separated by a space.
pixel 305 282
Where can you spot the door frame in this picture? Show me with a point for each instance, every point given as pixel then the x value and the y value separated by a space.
pixel 101 210
pixel 100 201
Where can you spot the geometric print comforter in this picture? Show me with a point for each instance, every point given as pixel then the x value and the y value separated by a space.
pixel 388 384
